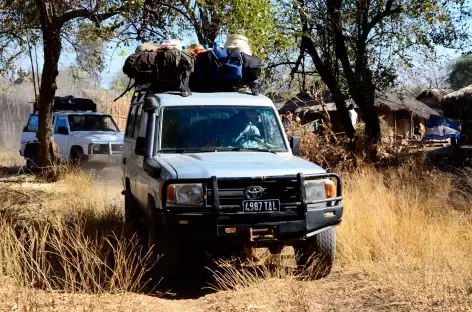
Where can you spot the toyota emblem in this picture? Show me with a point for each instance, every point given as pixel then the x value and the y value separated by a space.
pixel 254 192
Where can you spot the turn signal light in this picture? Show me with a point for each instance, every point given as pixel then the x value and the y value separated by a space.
pixel 170 195
pixel 230 230
pixel 330 188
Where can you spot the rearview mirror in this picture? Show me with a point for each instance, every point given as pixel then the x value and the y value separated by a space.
pixel 140 146
pixel 295 142
pixel 62 130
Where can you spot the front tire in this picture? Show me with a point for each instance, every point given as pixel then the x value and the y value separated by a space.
pixel 76 156
pixel 31 161
pixel 316 255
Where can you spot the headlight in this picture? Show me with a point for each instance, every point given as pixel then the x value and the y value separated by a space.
pixel 96 147
pixel 319 189
pixel 185 194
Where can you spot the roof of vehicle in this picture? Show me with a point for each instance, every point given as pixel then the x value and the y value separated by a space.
pixel 66 113
pixel 212 99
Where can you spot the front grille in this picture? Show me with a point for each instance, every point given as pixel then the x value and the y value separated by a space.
pixel 231 193
pixel 105 149
pixel 117 147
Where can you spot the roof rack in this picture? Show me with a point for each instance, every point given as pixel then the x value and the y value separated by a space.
pixel 70 103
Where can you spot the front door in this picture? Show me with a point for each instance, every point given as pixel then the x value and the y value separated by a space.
pixel 61 136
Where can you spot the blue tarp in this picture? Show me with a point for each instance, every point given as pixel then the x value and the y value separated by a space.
pixel 440 128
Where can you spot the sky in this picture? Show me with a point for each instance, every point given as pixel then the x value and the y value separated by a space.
pixel 115 58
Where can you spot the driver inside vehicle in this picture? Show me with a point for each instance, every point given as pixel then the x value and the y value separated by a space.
pixel 250 137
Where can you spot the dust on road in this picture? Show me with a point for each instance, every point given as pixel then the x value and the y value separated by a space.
pixel 109 180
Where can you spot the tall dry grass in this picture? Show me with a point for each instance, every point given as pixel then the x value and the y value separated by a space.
pixel 411 228
pixel 66 236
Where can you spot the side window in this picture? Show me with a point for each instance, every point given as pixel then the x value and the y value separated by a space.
pixel 130 122
pixel 33 124
pixel 61 122
pixel 137 123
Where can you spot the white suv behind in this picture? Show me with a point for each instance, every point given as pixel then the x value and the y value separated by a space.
pixel 88 138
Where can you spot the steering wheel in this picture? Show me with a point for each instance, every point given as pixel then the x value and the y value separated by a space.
pixel 253 137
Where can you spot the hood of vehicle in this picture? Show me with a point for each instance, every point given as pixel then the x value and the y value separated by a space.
pixel 100 136
pixel 238 164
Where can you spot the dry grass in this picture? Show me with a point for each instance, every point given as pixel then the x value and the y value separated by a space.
pixel 405 244
pixel 411 229
pixel 408 231
pixel 65 236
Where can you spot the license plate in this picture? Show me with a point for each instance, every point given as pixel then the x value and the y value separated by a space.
pixel 268 205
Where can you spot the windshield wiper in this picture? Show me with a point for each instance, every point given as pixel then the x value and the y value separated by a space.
pixel 186 150
pixel 253 149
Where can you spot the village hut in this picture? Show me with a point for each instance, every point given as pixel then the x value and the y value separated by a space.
pixel 310 109
pixel 402 113
pixel 300 100
pixel 458 104
pixel 433 97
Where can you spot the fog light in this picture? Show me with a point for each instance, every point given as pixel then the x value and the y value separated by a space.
pixel 230 230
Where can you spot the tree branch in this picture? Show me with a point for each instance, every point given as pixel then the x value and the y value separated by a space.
pixel 89 14
pixel 381 15
pixel 334 8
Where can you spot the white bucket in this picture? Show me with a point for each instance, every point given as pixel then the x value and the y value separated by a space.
pixel 239 42
pixel 172 43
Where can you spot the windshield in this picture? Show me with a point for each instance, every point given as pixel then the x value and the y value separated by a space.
pixel 213 128
pixel 92 123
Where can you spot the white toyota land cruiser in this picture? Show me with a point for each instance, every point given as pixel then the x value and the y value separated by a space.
pixel 214 173
pixel 83 135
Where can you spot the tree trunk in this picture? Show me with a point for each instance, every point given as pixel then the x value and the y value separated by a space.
pixel 363 93
pixel 330 81
pixel 48 150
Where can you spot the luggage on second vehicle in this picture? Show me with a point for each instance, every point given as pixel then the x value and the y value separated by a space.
pixel 252 68
pixel 167 69
pixel 226 70
pixel 70 103
pixel 172 71
pixel 140 65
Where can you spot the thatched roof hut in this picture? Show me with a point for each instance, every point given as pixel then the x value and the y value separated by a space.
pixel 433 97
pixel 458 104
pixel 399 102
pixel 298 101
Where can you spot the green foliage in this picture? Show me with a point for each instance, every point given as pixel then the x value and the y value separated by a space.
pixel 461 73
pixel 259 21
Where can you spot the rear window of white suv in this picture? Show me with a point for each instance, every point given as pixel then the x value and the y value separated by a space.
pixel 33 123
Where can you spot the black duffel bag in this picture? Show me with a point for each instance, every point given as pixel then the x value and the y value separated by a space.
pixel 172 71
pixel 140 66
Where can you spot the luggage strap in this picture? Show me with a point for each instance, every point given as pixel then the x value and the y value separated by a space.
pixel 129 87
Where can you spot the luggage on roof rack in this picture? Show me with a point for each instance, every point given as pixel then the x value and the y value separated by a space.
pixel 70 103
pixel 169 68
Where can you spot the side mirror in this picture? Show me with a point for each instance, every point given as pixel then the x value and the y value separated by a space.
pixel 25 128
pixel 295 142
pixel 62 130
pixel 140 147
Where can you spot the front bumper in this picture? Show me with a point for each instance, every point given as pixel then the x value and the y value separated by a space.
pixel 110 160
pixel 108 154
pixel 214 225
